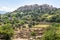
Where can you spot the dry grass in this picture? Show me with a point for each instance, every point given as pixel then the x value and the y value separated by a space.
pixel 49 16
pixel 41 25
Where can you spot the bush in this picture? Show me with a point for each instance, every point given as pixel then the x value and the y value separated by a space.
pixel 7 31
pixel 33 33
pixel 51 33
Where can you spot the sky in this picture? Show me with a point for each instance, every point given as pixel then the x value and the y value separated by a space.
pixel 11 5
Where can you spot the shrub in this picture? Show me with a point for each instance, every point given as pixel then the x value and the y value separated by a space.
pixel 7 31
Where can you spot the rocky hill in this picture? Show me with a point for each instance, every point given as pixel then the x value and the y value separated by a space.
pixel 30 16
pixel 35 7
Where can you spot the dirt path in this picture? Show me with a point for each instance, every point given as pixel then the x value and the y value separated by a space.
pixel 20 39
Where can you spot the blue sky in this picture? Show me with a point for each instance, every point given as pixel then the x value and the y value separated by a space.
pixel 11 5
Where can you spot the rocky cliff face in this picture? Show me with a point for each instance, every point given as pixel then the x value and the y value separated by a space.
pixel 35 7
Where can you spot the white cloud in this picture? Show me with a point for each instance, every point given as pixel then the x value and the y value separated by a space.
pixel 7 9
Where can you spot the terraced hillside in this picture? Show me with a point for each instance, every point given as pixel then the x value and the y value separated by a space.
pixel 27 33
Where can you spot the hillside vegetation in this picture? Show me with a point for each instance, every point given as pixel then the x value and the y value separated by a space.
pixel 32 16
